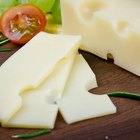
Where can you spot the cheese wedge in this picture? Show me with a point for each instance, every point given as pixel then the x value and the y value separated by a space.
pixel 30 66
pixel 39 108
pixel 77 103
pixel 108 28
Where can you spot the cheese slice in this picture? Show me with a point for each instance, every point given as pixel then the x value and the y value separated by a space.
pixel 30 66
pixel 108 28
pixel 40 105
pixel 39 109
pixel 77 103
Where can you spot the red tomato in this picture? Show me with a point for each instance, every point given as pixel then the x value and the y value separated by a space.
pixel 22 22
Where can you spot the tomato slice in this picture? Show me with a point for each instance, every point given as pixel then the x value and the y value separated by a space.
pixel 22 22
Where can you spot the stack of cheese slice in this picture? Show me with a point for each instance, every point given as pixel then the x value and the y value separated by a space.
pixel 108 28
pixel 47 75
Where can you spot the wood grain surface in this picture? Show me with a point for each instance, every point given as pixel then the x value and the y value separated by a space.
pixel 124 125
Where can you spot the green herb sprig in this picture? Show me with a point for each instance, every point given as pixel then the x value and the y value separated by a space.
pixel 35 134
pixel 5 49
pixel 125 95
pixel 6 40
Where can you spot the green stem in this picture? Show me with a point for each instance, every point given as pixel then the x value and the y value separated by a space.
pixel 4 41
pixel 125 95
pixel 5 49
pixel 38 133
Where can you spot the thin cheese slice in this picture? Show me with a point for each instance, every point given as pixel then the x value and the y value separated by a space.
pixel 39 109
pixel 27 68
pixel 77 103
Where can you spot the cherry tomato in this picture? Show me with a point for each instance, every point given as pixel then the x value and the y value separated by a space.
pixel 20 23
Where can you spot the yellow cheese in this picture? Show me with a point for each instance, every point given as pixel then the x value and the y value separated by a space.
pixel 40 105
pixel 39 109
pixel 77 103
pixel 30 66
pixel 107 27
pixel 47 75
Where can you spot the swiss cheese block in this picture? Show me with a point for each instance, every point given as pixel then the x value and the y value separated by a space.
pixel 39 108
pixel 30 66
pixel 108 28
pixel 77 103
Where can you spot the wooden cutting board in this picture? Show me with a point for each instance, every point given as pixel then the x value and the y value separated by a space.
pixel 124 125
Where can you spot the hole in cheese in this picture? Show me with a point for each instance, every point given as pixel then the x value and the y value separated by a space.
pixel 88 8
pixel 110 57
pixel 122 26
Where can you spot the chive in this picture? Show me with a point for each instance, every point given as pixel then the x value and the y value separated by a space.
pixel 4 41
pixel 38 133
pixel 125 95
pixel 5 49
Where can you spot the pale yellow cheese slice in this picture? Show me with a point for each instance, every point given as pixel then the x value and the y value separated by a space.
pixel 77 103
pixel 30 66
pixel 39 108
